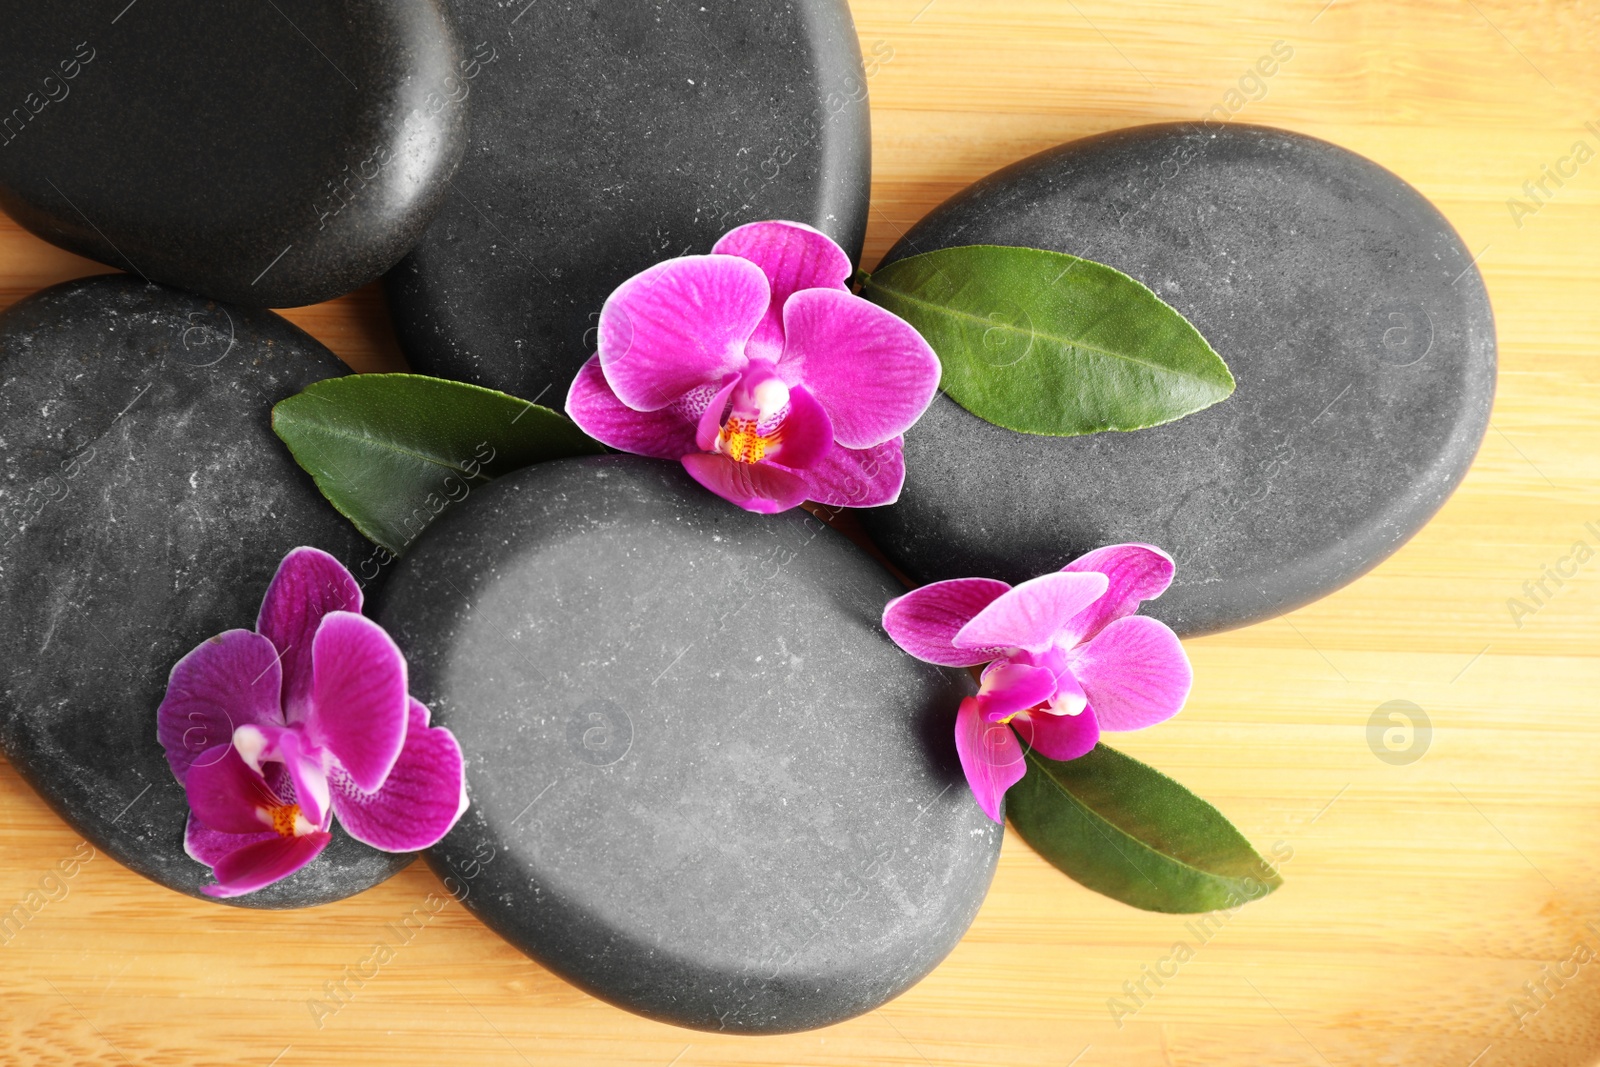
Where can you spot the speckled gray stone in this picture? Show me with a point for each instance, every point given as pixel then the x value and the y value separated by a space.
pixel 705 785
pixel 1349 311
pixel 271 154
pixel 606 137
pixel 144 506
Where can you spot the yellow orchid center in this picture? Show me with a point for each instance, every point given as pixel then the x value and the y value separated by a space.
pixel 742 441
pixel 286 820
pixel 749 435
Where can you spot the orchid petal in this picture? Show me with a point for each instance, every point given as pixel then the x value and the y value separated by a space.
pixel 1134 573
pixel 664 434
pixel 710 424
pixel 258 865
pixel 309 584
pixel 1070 698
pixel 1031 615
pixel 764 488
pixel 678 325
pixel 1059 737
pixel 228 681
pixel 806 435
pixel 291 767
pixel 306 771
pixel 925 621
pixel 210 847
pixel 226 794
pixel 990 755
pixel 420 800
pixel 1012 687
pixel 870 368
pixel 793 256
pixel 1135 672
pixel 858 477
pixel 359 697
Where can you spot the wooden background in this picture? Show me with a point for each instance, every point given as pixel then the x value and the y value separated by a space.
pixel 1419 899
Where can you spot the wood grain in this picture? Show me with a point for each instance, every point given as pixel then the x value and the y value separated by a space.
pixel 1419 899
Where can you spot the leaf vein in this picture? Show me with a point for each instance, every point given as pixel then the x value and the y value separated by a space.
pixel 1059 339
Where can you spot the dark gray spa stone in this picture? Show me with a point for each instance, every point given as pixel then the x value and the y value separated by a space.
pixel 1352 317
pixel 144 506
pixel 606 137
pixel 705 785
pixel 272 154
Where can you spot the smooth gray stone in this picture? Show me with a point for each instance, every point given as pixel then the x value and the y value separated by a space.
pixel 144 506
pixel 1352 317
pixel 705 785
pixel 271 154
pixel 607 137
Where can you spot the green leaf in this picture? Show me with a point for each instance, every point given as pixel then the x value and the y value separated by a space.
pixel 1126 830
pixel 393 451
pixel 1046 343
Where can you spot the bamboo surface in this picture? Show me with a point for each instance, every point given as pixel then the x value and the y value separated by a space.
pixel 1419 897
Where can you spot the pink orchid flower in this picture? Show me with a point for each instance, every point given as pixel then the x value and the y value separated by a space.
pixel 1067 657
pixel 273 732
pixel 759 370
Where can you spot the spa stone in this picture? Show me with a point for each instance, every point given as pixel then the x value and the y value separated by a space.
pixel 705 785
pixel 1348 309
pixel 606 137
pixel 270 154
pixel 144 506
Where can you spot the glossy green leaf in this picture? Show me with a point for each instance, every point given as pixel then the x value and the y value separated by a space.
pixel 1126 830
pixel 1046 343
pixel 393 451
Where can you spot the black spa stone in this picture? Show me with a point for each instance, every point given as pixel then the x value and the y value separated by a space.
pixel 606 137
pixel 272 154
pixel 1352 317
pixel 705 785
pixel 144 506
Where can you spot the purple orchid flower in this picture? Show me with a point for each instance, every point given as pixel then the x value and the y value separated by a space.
pixel 273 732
pixel 758 369
pixel 1067 657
